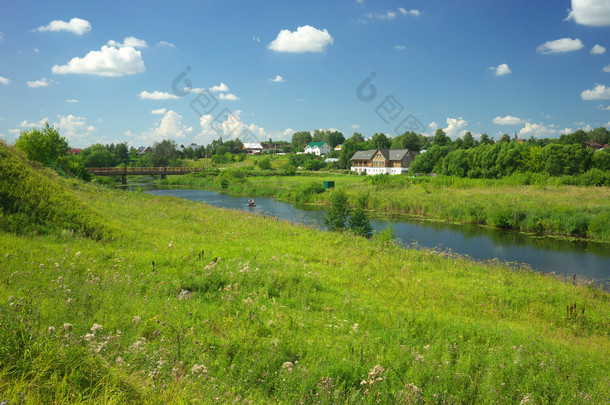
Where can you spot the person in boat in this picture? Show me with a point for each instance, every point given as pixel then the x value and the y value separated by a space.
pixel 251 202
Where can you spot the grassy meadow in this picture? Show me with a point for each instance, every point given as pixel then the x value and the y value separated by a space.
pixel 172 301
pixel 527 203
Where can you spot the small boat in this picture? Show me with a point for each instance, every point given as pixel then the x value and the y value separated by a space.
pixel 251 204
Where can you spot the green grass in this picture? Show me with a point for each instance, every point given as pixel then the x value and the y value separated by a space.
pixel 243 309
pixel 545 208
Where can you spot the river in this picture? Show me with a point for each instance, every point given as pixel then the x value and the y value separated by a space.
pixel 588 260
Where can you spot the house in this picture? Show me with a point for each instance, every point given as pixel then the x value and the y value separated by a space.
pixel 381 161
pixel 339 147
pixel 317 148
pixel 254 148
pixel 144 150
pixel 74 151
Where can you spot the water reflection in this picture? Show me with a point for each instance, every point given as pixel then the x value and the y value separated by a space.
pixel 591 260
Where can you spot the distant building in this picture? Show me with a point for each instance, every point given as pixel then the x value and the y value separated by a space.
pixel 381 161
pixel 74 151
pixel 318 148
pixel 144 150
pixel 254 148
pixel 339 147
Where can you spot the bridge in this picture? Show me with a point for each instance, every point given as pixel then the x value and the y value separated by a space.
pixel 142 171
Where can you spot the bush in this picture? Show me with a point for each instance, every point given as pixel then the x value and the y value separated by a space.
pixel 314 188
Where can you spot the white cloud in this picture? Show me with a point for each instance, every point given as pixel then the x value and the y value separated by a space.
pixel 220 88
pixel 360 1
pixel 454 126
pixel 355 126
pixel 36 50
pixel 257 39
pixel 26 124
pixel 541 131
pixel 390 14
pixel 400 47
pixel 40 83
pixel 603 107
pixel 77 26
pixel 5 81
pixel 501 70
pixel 600 92
pixel 129 41
pixel 508 120
pixel 231 128
pixel 304 39
pixel 109 61
pixel 433 126
pixel 606 69
pixel 195 90
pixel 560 45
pixel 71 100
pixel 278 79
pixel 159 111
pixel 156 95
pixel 595 13
pixel 598 50
pixel 165 43
pixel 1 36
pixel 228 97
pixel 170 127
pixel 74 128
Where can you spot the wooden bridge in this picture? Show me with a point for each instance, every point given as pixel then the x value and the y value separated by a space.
pixel 142 171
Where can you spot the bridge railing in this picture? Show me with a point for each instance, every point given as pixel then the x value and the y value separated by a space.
pixel 128 170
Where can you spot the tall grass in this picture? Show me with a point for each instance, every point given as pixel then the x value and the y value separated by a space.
pixel 196 304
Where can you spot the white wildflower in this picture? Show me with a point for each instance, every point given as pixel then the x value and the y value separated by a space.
pixel 288 366
pixel 96 328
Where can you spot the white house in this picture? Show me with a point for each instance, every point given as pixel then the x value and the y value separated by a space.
pixel 318 148
pixel 254 148
pixel 382 161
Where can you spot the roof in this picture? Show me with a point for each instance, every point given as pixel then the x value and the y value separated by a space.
pixel 253 145
pixel 390 154
pixel 314 144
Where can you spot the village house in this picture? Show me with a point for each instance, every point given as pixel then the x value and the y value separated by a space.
pixel 254 148
pixel 338 147
pixel 381 161
pixel 318 148
pixel 144 150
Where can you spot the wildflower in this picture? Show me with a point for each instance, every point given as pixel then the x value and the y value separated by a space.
pixel 51 330
pixel 199 369
pixel 78 254
pixel 96 328
pixel 184 295
pixel 89 337
pixel 355 327
pixel 288 366
pixel 375 374
pixel 136 319
pixel 67 326
pixel 171 244
pixel 120 361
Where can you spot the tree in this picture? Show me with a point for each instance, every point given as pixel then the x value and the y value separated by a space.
pixel 265 163
pixel 357 137
pixel 358 222
pixel 300 139
pixel 337 215
pixel 440 139
pixel 408 140
pixel 381 141
pixel 468 141
pixel 486 140
pixel 43 145
pixel 600 135
pixel 121 152
pixel 98 156
pixel 164 153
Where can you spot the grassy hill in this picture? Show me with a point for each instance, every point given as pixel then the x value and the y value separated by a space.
pixel 178 301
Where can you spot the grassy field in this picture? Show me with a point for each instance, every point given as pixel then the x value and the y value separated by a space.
pixel 172 301
pixel 544 209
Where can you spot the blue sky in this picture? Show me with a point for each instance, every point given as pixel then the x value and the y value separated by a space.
pixel 192 71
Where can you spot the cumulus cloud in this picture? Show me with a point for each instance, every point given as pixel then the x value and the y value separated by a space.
pixel 501 70
pixel 1 36
pixel 26 124
pixel 5 81
pixel 220 88
pixel 355 126
pixel 304 39
pixel 541 131
pixel 109 61
pixel 278 79
pixel 391 14
pixel 165 43
pixel 508 120
pixel 400 47
pixel 71 100
pixel 228 97
pixel 170 127
pixel 560 45
pixel 159 111
pixel 598 50
pixel 40 83
pixel 129 41
pixel 594 13
pixel 599 92
pixel 74 128
pixel 454 127
pixel 603 107
pixel 606 69
pixel 76 26
pixel 156 95
pixel 230 126
pixel 36 50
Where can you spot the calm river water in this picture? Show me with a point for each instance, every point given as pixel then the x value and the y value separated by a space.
pixel 586 259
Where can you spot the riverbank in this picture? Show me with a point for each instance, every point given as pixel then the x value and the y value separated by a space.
pixel 167 300
pixel 550 210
